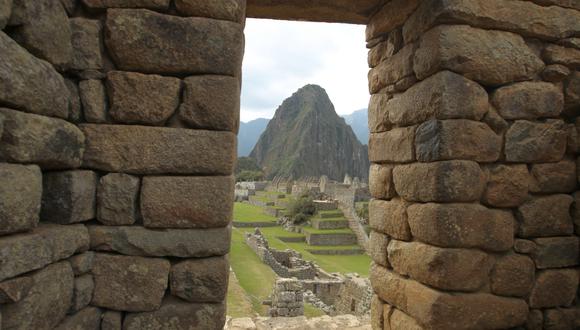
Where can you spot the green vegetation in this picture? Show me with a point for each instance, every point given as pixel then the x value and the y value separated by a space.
pixel 244 212
pixel 301 209
pixel 239 304
pixel 327 231
pixel 248 170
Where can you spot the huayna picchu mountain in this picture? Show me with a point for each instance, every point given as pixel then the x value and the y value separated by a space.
pixel 307 138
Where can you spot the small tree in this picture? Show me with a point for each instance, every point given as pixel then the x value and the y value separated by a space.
pixel 249 176
pixel 301 209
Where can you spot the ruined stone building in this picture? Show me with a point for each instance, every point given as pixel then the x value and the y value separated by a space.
pixel 118 123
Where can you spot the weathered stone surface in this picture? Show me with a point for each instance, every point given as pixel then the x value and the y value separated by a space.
pixel 86 319
pixel 535 320
pixel 385 49
pixel 229 10
pixel 75 105
pixel 448 181
pixel 507 185
pixel 530 142
pixel 445 95
pixel 513 275
pixel 400 320
pixel 82 263
pixel 187 202
pixel 462 226
pixel 390 218
pixel 116 148
pixel 211 102
pixel 529 100
pixel 29 83
pixel 546 216
pixel 117 195
pixel 112 320
pixel 20 197
pixel 554 177
pixel 561 3
pixel 86 41
pixel 164 43
pixel 5 11
pixel 151 4
pixel 46 244
pixel 554 288
pixel 570 57
pixel 495 121
pixel 51 143
pixel 44 30
pixel 137 98
pixel 377 308
pixel 555 73
pixel 139 241
pixel 378 115
pixel 381 184
pixel 392 15
pixel 378 243
pixel 572 92
pixel 69 197
pixel 392 70
pixel 94 100
pixel 15 289
pixel 200 280
pixel 444 311
pixel 82 293
pixel 556 252
pixel 179 315
pixel 562 318
pixel 489 57
pixel 447 269
pixel 396 145
pixel 456 139
pixel 47 301
pixel 576 212
pixel 131 284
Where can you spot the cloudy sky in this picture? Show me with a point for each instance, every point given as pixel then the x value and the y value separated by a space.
pixel 283 56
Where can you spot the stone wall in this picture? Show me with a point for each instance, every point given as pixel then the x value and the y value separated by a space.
pixel 117 141
pixel 354 296
pixel 287 298
pixel 474 147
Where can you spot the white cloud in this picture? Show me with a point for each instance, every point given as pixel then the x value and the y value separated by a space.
pixel 282 56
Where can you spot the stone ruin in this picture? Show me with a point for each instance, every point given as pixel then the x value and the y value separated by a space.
pixel 117 148
pixel 287 298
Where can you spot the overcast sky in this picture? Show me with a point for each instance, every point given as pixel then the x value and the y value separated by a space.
pixel 283 56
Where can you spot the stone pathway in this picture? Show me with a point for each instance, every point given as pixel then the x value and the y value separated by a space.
pixel 341 322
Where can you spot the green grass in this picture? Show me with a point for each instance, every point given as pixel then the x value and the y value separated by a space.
pixel 239 304
pixel 332 219
pixel 250 213
pixel 327 231
pixel 311 311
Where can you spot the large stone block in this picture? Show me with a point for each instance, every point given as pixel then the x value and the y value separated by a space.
pixel 51 143
pixel 562 318
pixel 530 142
pixel 448 181
pixel 386 48
pixel 446 269
pixel 489 57
pixel 554 288
pixel 507 185
pixel 200 280
pixel 390 218
pixel 20 197
pixel 393 14
pixel 15 289
pixel 396 145
pixel 392 70
pixel 68 197
pixel 82 293
pixel 86 41
pixel 211 102
pixel 151 4
pixel 179 315
pixel 445 95
pixel 378 243
pixel 400 320
pixel 556 252
pixel 462 226
pixel 529 100
pixel 117 195
pixel 5 11
pixel 570 57
pixel 112 320
pixel 170 44
pixel 133 284
pixel 378 117
pixel 572 93
pixel 137 98
pixel 182 243
pixel 554 177
pixel 381 184
pixel 44 245
pixel 187 202
pixel 82 263
pixel 513 275
pixel 546 216
pixel 94 99
pixel 229 10
pixel 47 302
pixel 157 150
pixel 75 104
pixel 29 83
pixel 457 139
pixel 86 319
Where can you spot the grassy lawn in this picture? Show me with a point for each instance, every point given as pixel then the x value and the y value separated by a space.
pixel 239 304
pixel 250 213
pixel 327 231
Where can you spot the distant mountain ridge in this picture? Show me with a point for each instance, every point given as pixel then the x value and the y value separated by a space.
pixel 358 120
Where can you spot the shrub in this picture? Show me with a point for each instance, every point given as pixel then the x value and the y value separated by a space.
pixel 300 209
pixel 249 176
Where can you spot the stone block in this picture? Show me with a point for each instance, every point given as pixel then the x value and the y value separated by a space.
pixel 552 178
pixel 446 269
pixel 133 284
pixel 115 148
pixel 530 142
pixel 570 57
pixel 150 4
pixel 117 195
pixel 545 216
pixel 576 212
pixel 179 315
pixel 187 202
pixel 86 41
pixel 392 70
pixel 528 100
pixel 378 117
pixel 392 15
pixel 5 11
pixel 555 73
pixel 447 181
pixel 381 184
pixel 378 243
pixel 507 185
pixel 200 280
pixel 556 252
pixel 30 83
pixel 495 121
pixel 462 226
pixel 164 43
pixel 396 145
pixel 489 57
pixel 20 193
pixel 48 243
pixel 182 243
pixel 82 293
pixel 390 218
pixel 229 10
pixel 437 140
pixel 211 102
pixel 75 105
pixel 386 48
pixel 82 263
pixel 86 319
pixel 554 288
pixel 377 307
pixel 562 318
pixel 572 92
pixel 47 302
pixel 445 95
pixel 137 98
pixel 513 275
pixel 94 100
pixel 112 320
pixel 400 320
pixel 69 196
pixel 13 290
